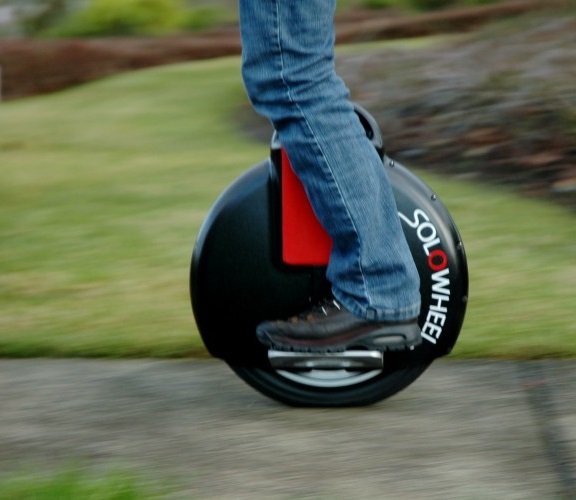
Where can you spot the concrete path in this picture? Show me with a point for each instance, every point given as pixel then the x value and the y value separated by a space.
pixel 464 430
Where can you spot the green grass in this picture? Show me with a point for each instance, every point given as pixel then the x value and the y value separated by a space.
pixel 103 189
pixel 73 484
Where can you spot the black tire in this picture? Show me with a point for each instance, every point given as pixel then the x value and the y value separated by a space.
pixel 346 390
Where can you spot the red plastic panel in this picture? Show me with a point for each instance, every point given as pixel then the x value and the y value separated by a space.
pixel 304 240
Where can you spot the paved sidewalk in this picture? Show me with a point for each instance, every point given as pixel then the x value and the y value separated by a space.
pixel 464 430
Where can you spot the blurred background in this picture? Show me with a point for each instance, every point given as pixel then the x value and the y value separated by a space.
pixel 121 121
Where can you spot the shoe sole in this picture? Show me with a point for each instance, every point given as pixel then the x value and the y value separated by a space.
pixel 403 337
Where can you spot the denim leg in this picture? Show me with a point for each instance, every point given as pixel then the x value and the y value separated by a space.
pixel 289 74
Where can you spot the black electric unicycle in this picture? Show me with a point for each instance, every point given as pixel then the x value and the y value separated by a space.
pixel 261 254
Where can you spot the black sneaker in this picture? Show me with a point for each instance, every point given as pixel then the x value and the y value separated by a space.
pixel 329 327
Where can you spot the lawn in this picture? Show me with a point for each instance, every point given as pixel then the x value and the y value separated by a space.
pixel 75 483
pixel 103 188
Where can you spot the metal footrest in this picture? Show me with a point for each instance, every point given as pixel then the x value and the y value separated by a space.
pixel 347 360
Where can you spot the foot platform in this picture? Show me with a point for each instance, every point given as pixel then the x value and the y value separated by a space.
pixel 347 360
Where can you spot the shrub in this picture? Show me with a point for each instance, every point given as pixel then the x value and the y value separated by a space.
pixel 36 17
pixel 380 4
pixel 200 18
pixel 124 18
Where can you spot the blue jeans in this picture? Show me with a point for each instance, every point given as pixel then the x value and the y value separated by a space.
pixel 289 75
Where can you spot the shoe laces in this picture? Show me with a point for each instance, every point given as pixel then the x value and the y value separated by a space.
pixel 322 309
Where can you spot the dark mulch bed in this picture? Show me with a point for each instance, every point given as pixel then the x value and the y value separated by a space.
pixel 499 105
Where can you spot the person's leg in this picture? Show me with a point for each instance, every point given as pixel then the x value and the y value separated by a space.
pixel 288 70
